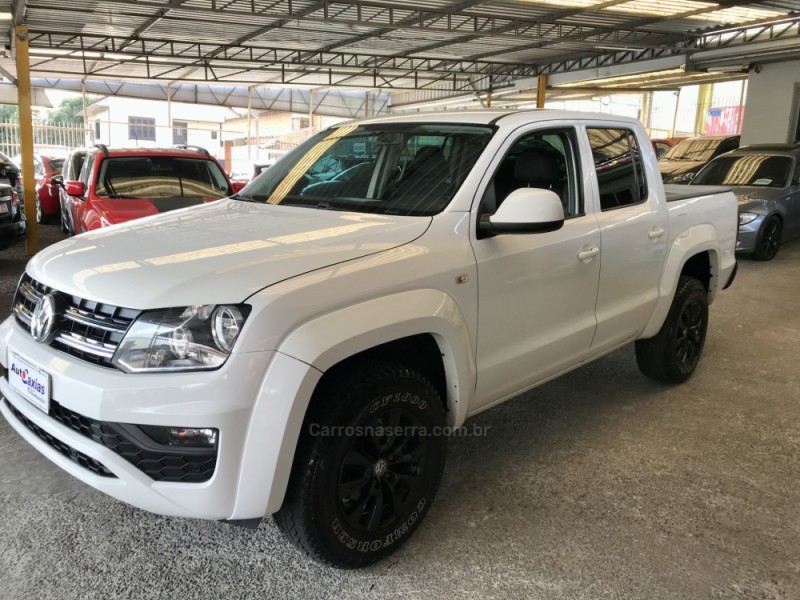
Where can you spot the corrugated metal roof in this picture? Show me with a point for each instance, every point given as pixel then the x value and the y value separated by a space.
pixel 367 43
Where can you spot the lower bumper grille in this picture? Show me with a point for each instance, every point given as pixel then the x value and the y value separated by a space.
pixel 66 450
pixel 159 462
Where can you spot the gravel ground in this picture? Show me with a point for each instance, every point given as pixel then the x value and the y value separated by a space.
pixel 599 485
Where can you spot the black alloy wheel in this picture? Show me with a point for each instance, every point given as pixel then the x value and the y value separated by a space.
pixel 769 239
pixel 380 474
pixel 367 466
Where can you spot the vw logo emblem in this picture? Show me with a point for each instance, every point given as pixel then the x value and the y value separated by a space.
pixel 44 318
pixel 381 467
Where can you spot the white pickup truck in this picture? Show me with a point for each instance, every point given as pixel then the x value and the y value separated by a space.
pixel 304 348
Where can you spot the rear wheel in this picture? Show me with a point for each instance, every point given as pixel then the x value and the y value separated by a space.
pixel 367 467
pixel 769 239
pixel 672 354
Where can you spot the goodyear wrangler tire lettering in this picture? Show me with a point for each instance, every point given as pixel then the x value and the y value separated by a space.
pixel 352 500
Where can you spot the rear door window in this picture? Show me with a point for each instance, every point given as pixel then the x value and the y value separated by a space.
pixel 618 165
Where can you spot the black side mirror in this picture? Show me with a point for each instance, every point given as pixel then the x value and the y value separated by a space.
pixel 57 180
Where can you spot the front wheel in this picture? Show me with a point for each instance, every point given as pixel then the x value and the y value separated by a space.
pixel 672 354
pixel 769 239
pixel 40 218
pixel 368 465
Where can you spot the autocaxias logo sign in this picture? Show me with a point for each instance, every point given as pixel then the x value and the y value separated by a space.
pixel 33 384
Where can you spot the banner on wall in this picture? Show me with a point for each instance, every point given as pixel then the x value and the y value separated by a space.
pixel 723 120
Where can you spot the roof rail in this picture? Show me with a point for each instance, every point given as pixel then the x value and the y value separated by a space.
pixel 196 148
pixel 103 148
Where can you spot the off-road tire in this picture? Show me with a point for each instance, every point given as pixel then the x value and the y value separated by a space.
pixel 671 356
pixel 335 473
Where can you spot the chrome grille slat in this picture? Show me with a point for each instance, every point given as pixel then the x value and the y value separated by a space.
pixel 87 329
pixel 23 314
pixel 83 318
pixel 31 293
pixel 86 345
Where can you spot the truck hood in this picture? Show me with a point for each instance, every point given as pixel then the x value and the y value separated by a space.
pixel 219 253
pixel 757 199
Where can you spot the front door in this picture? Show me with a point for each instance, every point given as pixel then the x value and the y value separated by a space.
pixel 537 291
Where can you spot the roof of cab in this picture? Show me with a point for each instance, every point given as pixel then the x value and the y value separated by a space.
pixel 183 152
pixel 491 117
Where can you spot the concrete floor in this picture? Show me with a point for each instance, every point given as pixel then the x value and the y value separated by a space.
pixel 600 485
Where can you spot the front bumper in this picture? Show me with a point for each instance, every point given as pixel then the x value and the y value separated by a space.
pixel 748 236
pixel 222 399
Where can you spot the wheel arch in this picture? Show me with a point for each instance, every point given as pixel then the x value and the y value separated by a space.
pixel 420 327
pixel 695 253
pixel 428 322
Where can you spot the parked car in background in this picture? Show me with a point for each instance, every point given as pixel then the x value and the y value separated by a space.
pixel 766 181
pixel 663 145
pixel 119 185
pixel 682 162
pixel 12 217
pixel 48 203
pixel 10 174
pixel 73 164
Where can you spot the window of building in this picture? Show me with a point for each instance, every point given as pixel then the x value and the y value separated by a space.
pixel 618 164
pixel 97 130
pixel 142 129
pixel 213 135
pixel 180 133
pixel 300 122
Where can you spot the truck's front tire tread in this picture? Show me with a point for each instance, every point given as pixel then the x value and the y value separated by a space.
pixel 311 516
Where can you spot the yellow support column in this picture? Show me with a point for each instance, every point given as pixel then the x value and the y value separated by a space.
pixel 541 89
pixel 26 136
pixel 703 104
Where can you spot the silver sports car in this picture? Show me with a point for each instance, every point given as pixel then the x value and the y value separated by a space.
pixel 766 181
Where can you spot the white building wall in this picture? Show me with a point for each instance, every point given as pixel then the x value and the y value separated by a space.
pixel 203 123
pixel 773 102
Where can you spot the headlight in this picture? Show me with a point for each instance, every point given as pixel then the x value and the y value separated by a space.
pixel 746 217
pixel 181 339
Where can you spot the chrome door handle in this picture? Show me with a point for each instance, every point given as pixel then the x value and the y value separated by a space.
pixel 656 233
pixel 588 254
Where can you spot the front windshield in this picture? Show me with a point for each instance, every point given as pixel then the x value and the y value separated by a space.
pixel 700 150
pixel 750 170
pixel 393 169
pixel 160 177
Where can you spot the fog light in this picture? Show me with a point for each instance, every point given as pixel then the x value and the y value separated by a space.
pixel 187 437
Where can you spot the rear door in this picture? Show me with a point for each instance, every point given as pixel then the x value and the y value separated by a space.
pixel 633 233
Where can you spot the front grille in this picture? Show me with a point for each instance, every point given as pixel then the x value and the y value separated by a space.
pixel 159 462
pixel 68 451
pixel 85 329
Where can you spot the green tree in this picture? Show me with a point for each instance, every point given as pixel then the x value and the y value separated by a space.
pixel 69 112
pixel 9 113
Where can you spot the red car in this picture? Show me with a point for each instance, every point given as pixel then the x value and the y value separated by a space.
pixel 48 204
pixel 118 185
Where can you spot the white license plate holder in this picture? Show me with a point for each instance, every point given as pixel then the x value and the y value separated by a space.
pixel 32 382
